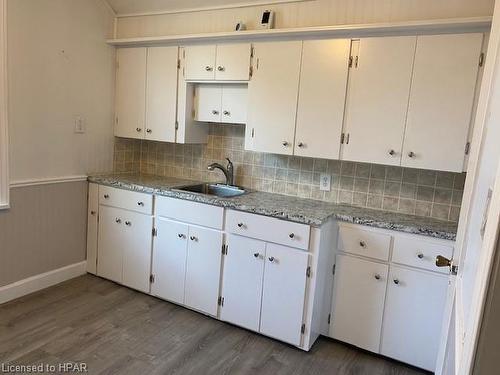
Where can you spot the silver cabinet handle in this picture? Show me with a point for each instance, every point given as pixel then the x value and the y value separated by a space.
pixel 149 131
pixel 377 277
pixel 411 154
pixel 226 113
pixel 138 130
pixel 93 213
pixel 300 144
pixel 208 68
pixel 193 238
pixel 291 235
pixel 271 259
pixel 420 256
pixel 392 152
pixel 128 223
pixel 215 112
pixel 140 204
pixel 118 220
pixel 241 225
pixel 362 244
pixel 181 236
pixel 396 281
pixel 256 255
pixel 106 196
pixel 284 143
pixel 221 68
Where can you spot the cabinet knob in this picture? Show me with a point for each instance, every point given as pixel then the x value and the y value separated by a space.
pixel 215 112
pixel 396 281
pixel 256 255
pixel 392 152
pixel 300 144
pixel 138 130
pixel 377 277
pixel 240 225
pixel 362 244
pixel 106 196
pixel 284 143
pixel 118 220
pixel 271 259
pixel 93 213
pixel 411 154
pixel 208 68
pixel 193 238
pixel 221 68
pixel 226 113
pixel 128 223
pixel 420 256
pixel 181 236
pixel 291 235
pixel 140 204
pixel 149 131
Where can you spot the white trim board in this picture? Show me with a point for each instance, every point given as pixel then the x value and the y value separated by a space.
pixel 47 181
pixel 4 136
pixel 41 281
pixel 449 25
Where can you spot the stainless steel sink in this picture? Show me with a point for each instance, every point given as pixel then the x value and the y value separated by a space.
pixel 218 190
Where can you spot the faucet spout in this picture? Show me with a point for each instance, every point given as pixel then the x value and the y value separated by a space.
pixel 228 171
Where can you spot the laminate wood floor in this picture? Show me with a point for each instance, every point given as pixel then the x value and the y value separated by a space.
pixel 116 330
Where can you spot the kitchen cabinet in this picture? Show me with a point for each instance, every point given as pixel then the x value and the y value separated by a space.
pixel 224 62
pixel 110 260
pixel 130 92
pixel 413 316
pixel 359 292
pixel 283 293
pixel 441 101
pixel 272 97
pixel 203 269
pixel 146 93
pixel 92 227
pixel 320 110
pixel 242 281
pixel 169 260
pixel 221 103
pixel 377 99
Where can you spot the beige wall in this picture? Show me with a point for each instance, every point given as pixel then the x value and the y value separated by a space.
pixel 310 13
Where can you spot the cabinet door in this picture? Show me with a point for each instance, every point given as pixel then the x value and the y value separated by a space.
pixel 272 96
pixel 413 316
pixel 358 302
pixel 110 243
pixel 208 102
pixel 92 227
pixel 137 237
pixel 130 92
pixel 203 269
pixel 320 111
pixel 169 260
pixel 234 104
pixel 242 281
pixel 283 293
pixel 161 93
pixel 233 62
pixel 377 99
pixel 441 101
pixel 199 63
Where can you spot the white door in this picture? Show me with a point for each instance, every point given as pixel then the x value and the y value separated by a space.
pixel 357 317
pixel 413 316
pixel 161 93
pixel 110 243
pixel 208 98
pixel 203 269
pixel 92 227
pixel 233 62
pixel 320 111
pixel 283 293
pixel 377 99
pixel 169 260
pixel 441 100
pixel 242 281
pixel 234 104
pixel 272 96
pixel 199 62
pixel 130 92
pixel 137 240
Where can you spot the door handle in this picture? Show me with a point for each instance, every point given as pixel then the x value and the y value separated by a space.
pixel 442 261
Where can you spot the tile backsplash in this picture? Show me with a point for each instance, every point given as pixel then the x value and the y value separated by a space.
pixel 412 191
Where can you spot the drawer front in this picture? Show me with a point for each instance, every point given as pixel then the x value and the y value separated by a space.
pixel 190 212
pixel 268 229
pixel 128 200
pixel 359 241
pixel 416 251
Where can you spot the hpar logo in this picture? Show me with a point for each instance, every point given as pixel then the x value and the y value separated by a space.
pixel 74 367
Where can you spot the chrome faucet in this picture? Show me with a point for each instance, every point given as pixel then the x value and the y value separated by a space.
pixel 228 171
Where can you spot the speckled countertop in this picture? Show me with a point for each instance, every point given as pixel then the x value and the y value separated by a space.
pixel 284 207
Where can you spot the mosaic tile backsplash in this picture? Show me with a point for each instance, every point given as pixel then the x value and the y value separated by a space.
pixel 405 190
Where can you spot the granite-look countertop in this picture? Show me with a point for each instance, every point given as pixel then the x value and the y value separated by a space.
pixel 301 210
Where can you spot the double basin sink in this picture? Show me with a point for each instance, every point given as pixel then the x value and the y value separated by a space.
pixel 217 190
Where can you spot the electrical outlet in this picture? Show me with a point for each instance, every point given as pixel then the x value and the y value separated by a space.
pixel 79 125
pixel 325 182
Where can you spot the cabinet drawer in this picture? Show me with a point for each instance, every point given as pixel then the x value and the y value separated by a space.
pixel 268 229
pixel 190 212
pixel 359 241
pixel 128 200
pixel 420 252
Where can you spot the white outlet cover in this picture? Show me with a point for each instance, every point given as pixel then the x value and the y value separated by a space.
pixel 325 181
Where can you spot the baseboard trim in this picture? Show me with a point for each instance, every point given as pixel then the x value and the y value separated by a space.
pixel 41 281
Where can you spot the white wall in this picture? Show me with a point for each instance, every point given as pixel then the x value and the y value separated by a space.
pixel 59 67
pixel 310 13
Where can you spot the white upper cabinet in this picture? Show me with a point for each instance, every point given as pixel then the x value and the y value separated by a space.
pixel 208 99
pixel 320 112
pixel 441 101
pixel 272 97
pixel 161 93
pixel 130 92
pixel 221 103
pixel 225 62
pixel 377 99
pixel 234 103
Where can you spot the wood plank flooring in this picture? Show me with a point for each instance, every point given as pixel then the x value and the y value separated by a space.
pixel 116 330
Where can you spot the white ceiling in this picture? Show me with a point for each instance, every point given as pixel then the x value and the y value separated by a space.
pixel 125 7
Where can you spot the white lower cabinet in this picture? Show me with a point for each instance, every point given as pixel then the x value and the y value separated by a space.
pixel 413 316
pixel 109 263
pixel 283 293
pixel 359 293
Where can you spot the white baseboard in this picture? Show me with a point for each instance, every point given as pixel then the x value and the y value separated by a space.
pixel 42 281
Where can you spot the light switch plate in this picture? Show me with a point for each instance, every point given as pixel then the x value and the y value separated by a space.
pixel 79 125
pixel 325 182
